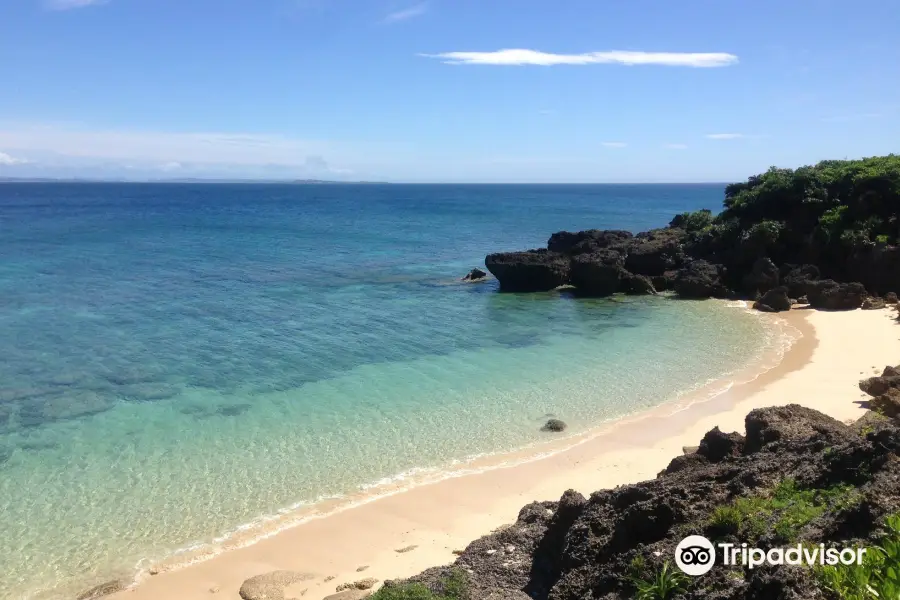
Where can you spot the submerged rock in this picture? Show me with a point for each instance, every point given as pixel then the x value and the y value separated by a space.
pixel 554 425
pixel 533 271
pixel 104 589
pixel 270 586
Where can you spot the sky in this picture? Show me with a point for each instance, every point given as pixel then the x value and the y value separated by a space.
pixel 444 90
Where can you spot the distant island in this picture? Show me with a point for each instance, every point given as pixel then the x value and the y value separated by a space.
pixel 187 180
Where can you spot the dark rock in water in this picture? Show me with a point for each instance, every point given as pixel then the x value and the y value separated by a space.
pixel 777 299
pixel 830 295
pixel 799 280
pixel 873 304
pixel 533 271
pixel 763 307
pixel 104 589
pixel 554 425
pixel 876 386
pixel 131 375
pixel 71 406
pixel 717 446
pixel 656 251
pixel 700 279
pixel 270 586
pixel 598 274
pixel 890 298
pixel 475 275
pixel 638 285
pixel 588 241
pixel 762 278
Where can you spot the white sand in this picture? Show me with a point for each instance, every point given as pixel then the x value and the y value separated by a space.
pixel 820 371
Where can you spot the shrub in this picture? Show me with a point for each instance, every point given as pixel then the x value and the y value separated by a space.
pixel 878 577
pixel 693 221
pixel 452 587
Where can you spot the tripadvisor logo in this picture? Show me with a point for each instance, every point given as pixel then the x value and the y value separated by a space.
pixel 696 555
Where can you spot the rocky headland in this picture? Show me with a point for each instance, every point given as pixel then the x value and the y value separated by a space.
pixel 826 235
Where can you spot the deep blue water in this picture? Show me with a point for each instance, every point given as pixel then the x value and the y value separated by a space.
pixel 225 351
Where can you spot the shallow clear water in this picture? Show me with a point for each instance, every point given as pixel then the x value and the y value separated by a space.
pixel 181 359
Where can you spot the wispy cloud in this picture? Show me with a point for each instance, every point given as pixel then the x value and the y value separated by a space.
pixel 675 146
pixel 622 57
pixel 724 136
pixel 614 144
pixel 7 160
pixel 70 4
pixel 407 13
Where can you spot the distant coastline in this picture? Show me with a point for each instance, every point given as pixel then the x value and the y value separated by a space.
pixel 189 180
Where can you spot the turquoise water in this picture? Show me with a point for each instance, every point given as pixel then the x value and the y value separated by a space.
pixel 182 360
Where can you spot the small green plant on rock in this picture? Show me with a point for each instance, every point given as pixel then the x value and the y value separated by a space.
pixel 663 585
pixel 453 588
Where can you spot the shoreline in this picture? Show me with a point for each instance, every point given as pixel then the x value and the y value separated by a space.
pixel 446 515
pixel 782 336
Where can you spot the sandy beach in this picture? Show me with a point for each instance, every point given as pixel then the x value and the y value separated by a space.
pixel 821 370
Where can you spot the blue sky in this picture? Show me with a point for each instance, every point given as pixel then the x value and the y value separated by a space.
pixel 444 90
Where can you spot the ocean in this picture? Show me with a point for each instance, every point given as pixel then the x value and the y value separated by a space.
pixel 181 361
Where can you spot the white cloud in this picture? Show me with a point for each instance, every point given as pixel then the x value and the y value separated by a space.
pixel 676 146
pixel 8 161
pixel 724 136
pixel 622 57
pixel 171 166
pixel 70 4
pixel 614 144
pixel 407 13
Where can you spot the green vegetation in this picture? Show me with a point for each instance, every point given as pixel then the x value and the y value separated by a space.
pixel 878 578
pixel 662 585
pixel 693 221
pixel 823 212
pixel 452 587
pixel 785 510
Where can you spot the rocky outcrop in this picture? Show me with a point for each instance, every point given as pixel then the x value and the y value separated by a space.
pixel 475 275
pixel 270 586
pixel 830 295
pixel 762 278
pixel 654 252
pixel 638 285
pixel 361 584
pixel 799 280
pixel 580 548
pixel 584 242
pixel 775 300
pixel 700 279
pixel 533 271
pixel 873 304
pixel 600 273
pixel 890 298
